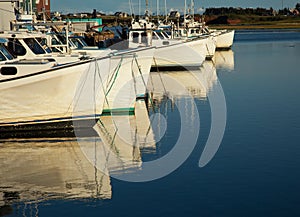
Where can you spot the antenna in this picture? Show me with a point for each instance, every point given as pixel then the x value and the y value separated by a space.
pixel 147 5
pixel 139 8
pixel 184 10
pixel 157 10
pixel 193 8
pixel 166 11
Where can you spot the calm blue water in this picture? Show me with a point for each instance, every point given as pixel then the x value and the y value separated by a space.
pixel 255 171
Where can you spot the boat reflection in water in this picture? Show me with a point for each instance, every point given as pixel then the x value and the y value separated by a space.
pixel 224 60
pixel 33 170
pixel 177 84
pixel 36 170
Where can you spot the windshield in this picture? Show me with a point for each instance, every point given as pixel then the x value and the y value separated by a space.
pixel 43 42
pixel 34 46
pixel 82 41
pixel 2 57
pixel 77 42
pixel 5 52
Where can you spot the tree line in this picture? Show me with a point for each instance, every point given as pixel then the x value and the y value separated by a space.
pixel 252 11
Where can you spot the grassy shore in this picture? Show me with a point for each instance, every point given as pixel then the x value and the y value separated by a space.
pixel 258 26
pixel 254 22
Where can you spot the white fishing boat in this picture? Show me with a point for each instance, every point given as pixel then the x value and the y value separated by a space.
pixel 224 38
pixel 40 91
pixel 169 52
pixel 32 45
pixel 131 68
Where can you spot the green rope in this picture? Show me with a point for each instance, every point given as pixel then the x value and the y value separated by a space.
pixel 115 77
pixel 140 71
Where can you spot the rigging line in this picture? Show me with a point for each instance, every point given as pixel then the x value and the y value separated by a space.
pixel 115 77
pixel 159 74
pixel 140 71
pixel 103 88
pixel 133 75
pixel 95 168
pixel 147 90
pixel 105 96
pixel 131 8
pixel 111 77
pixel 95 94
pixel 76 98
pixel 101 80
pixel 110 138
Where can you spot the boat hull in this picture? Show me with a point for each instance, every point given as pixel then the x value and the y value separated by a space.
pixel 71 92
pixel 180 54
pixel 224 39
pixel 205 46
pixel 128 79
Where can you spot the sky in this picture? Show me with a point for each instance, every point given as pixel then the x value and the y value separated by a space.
pixel 111 6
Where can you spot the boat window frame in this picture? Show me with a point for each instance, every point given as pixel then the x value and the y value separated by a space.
pixel 35 47
pixel 5 52
pixel 16 48
pixel 2 57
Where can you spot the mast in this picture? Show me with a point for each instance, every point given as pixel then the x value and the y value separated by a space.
pixel 31 7
pixel 139 8
pixel 184 15
pixel 166 11
pixel 157 10
pixel 147 5
pixel 44 11
pixel 193 9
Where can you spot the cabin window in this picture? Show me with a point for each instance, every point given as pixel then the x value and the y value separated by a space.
pixel 154 36
pixel 5 52
pixel 34 46
pixel 54 41
pixel 160 35
pixel 82 41
pixel 8 70
pixel 16 48
pixel 144 38
pixel 135 37
pixel 43 42
pixel 2 57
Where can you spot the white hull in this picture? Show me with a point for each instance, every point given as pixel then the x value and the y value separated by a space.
pixel 128 79
pixel 224 39
pixel 63 93
pixel 205 46
pixel 180 54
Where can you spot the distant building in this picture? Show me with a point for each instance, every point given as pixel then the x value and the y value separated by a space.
pixel 121 14
pixel 7 13
pixel 174 14
pixel 294 12
pixel 42 6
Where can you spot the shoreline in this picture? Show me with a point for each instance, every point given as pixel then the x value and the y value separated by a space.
pixel 257 26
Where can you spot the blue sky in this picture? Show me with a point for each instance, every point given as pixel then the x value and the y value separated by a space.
pixel 123 5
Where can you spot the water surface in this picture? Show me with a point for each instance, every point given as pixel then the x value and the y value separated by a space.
pixel 255 172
